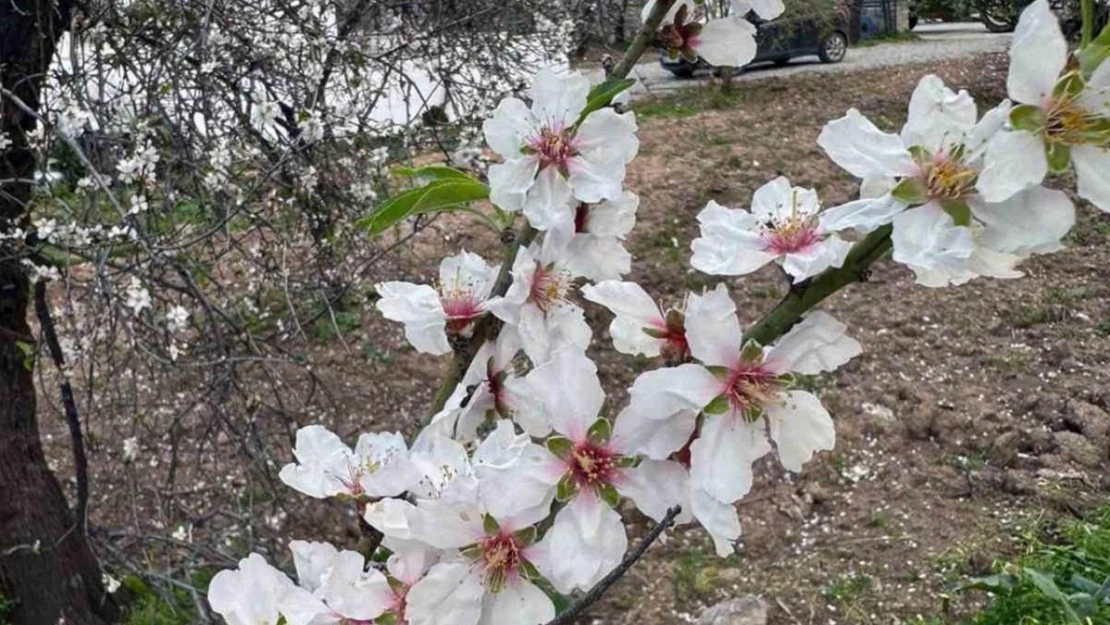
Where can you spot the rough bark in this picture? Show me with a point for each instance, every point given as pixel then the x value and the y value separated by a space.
pixel 48 573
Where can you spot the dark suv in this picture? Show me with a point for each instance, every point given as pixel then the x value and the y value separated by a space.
pixel 780 40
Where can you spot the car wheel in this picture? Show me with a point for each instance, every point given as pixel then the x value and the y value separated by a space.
pixel 833 48
pixel 683 72
pixel 913 21
pixel 782 60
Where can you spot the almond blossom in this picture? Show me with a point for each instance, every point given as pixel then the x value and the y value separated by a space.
pixel 552 159
pixel 739 395
pixel 377 467
pixel 594 249
pixel 727 42
pixel 536 305
pixel 784 225
pixel 250 594
pixel 640 327
pixel 432 315
pixel 944 228
pixel 335 587
pixel 1062 116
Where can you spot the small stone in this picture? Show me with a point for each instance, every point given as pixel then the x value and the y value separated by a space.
pixel 746 610
pixel 1004 449
pixel 1087 418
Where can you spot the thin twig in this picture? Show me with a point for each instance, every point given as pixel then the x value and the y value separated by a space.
pixel 630 558
pixel 80 462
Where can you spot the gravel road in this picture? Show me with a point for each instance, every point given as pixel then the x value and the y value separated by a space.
pixel 938 42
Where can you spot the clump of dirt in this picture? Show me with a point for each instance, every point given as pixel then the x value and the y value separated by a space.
pixel 973 414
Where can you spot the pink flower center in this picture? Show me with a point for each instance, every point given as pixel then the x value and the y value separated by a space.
pixel 749 387
pixel 591 464
pixel 550 285
pixel 554 146
pixel 501 560
pixel 461 307
pixel 792 237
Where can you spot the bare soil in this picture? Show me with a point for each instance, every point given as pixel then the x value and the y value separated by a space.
pixel 974 415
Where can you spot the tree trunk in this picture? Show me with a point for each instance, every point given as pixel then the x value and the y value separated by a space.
pixel 48 573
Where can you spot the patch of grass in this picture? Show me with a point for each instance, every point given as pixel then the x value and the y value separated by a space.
pixel 1102 326
pixel 880 518
pixel 692 577
pixel 1008 361
pixel 345 322
pixel 1060 580
pixel 695 100
pixel 1052 307
pixel 888 38
pixel 853 594
pixel 148 607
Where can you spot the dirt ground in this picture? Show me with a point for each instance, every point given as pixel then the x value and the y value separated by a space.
pixel 974 415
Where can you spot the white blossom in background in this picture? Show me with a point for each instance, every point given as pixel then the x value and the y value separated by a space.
pixel 139 166
pixel 111 584
pixel 130 449
pixel 5 142
pixel 728 41
pixel 784 225
pixel 553 161
pixel 264 114
pixel 72 120
pixel 430 315
pixel 250 594
pixel 536 305
pixel 744 391
pixel 639 326
pixel 177 318
pixel 594 248
pixel 138 298
pixel 378 466
pixel 944 228
pixel 139 205
pixel 1061 117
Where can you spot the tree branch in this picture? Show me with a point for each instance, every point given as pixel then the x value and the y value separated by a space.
pixel 80 461
pixel 802 298
pixel 642 41
pixel 630 558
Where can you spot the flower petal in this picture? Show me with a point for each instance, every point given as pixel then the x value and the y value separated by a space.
pixel 1014 161
pixel 417 306
pixel 1031 222
pixel 726 42
pixel 448 595
pixel 520 602
pixel 722 455
pixel 509 127
pixel 558 98
pixel 586 541
pixel 863 215
pixel 712 329
pixel 855 144
pixel 510 181
pixel 1038 53
pixel 656 486
pixel 1092 167
pixel 719 519
pixel 800 425
pixel 731 242
pixel 819 343
pixel 634 310
pixel 938 117
pixel 927 241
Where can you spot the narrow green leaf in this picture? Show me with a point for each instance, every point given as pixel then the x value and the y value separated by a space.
pixel 526 536
pixel 435 172
pixel 600 431
pixel 1070 84
pixel 959 210
pixel 920 153
pixel 566 489
pixel 910 191
pixel 602 95
pixel 751 353
pixel 1092 56
pixel 438 195
pixel 655 333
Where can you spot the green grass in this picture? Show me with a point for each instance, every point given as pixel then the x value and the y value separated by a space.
pixel 694 100
pixel 1054 306
pixel 1060 580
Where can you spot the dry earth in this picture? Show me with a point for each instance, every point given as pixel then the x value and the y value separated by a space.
pixel 973 415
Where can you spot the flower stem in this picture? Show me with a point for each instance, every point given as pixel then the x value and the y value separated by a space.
pixel 1087 11
pixel 642 41
pixel 807 295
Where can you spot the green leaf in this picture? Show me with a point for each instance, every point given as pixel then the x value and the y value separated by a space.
pixel 560 446
pixel 609 495
pixel 435 172
pixel 751 353
pixel 1091 57
pixel 1027 117
pixel 920 153
pixel 600 431
pixel 719 405
pixel 911 191
pixel 655 333
pixel 959 210
pixel 566 489
pixel 627 462
pixel 1046 585
pixel 999 583
pixel 1059 157
pixel 1070 84
pixel 438 195
pixel 718 371
pixel 489 524
pixel 602 95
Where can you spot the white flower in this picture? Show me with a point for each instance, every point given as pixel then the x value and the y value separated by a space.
pixel 111 584
pixel 177 319
pixel 594 248
pixel 130 449
pixel 430 315
pixel 377 467
pixel 334 587
pixel 536 305
pixel 138 298
pixel 551 161
pixel 72 121
pixel 488 389
pixel 182 534
pixel 249 595
pixel 587 539
pixel 639 325
pixel 139 204
pixel 5 142
pixel 945 228
pixel 264 114
pixel 727 42
pixel 784 225
pixel 140 166
pixel 745 393
pixel 1061 116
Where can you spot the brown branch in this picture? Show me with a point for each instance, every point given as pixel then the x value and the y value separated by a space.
pixel 630 558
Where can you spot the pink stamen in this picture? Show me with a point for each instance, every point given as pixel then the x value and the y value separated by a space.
pixel 791 240
pixel 749 386
pixel 592 465
pixel 554 146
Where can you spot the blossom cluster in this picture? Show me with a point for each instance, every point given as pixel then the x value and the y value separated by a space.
pixel 514 489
